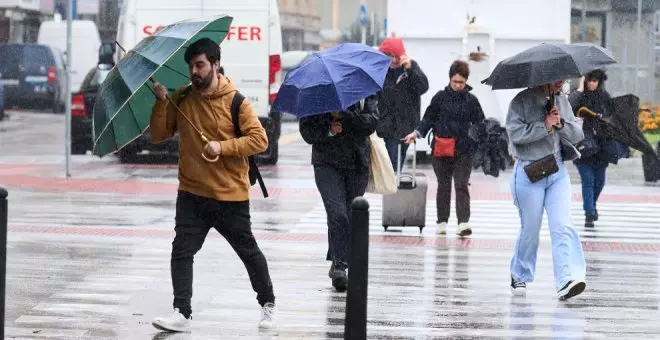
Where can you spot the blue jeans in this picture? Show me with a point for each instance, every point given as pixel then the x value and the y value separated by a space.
pixel 593 181
pixel 391 144
pixel 554 195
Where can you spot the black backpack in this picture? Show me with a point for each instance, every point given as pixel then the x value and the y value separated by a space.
pixel 236 103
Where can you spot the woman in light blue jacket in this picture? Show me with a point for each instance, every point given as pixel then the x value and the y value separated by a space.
pixel 542 135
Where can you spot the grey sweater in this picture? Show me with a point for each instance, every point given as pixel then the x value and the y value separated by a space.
pixel 525 126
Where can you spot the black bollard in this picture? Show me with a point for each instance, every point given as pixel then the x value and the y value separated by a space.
pixel 3 257
pixel 355 323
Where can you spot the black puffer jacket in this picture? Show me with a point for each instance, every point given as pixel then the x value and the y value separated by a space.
pixel 450 115
pixel 351 148
pixel 400 103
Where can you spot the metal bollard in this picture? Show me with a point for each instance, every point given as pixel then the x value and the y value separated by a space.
pixel 355 323
pixel 3 257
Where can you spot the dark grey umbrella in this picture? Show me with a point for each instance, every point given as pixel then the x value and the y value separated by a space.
pixel 547 63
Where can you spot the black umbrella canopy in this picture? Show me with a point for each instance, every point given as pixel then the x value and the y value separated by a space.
pixel 624 123
pixel 547 63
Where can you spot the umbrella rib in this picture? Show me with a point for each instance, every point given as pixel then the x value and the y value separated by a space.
pixel 177 71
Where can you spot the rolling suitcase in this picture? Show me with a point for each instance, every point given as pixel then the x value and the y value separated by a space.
pixel 407 207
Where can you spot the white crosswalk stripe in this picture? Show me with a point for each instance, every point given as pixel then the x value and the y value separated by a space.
pixel 499 220
pixel 414 292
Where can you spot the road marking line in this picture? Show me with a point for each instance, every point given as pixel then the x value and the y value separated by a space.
pixel 290 138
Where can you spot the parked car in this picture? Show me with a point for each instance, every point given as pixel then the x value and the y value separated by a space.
pixel 33 73
pixel 82 105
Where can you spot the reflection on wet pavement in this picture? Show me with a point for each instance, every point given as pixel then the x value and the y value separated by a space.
pixel 84 264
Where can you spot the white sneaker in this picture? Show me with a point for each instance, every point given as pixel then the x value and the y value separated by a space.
pixel 442 228
pixel 174 322
pixel 267 315
pixel 464 230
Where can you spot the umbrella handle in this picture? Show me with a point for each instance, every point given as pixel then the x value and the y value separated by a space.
pixel 209 159
pixel 583 109
pixel 206 142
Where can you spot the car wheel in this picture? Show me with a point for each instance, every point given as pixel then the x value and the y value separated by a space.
pixel 56 106
pixel 127 155
pixel 272 153
pixel 79 148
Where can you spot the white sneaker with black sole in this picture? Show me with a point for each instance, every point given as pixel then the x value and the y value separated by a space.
pixel 571 289
pixel 173 322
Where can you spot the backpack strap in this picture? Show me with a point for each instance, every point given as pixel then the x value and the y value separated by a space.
pixel 236 103
pixel 235 111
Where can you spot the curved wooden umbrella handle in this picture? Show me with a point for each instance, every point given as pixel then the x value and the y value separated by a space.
pixel 209 159
pixel 206 142
pixel 582 110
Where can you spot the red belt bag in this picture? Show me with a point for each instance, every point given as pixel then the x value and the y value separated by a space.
pixel 444 147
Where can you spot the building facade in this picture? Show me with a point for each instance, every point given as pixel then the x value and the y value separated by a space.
pixel 614 25
pixel 20 19
pixel 301 24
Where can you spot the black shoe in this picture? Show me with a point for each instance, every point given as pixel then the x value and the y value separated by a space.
pixel 339 277
pixel 595 214
pixel 517 287
pixel 571 289
pixel 589 220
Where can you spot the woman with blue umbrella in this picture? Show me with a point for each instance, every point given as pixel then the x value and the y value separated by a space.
pixel 333 94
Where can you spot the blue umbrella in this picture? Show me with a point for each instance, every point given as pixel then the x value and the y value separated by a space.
pixel 332 80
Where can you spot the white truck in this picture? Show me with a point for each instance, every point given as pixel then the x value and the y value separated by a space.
pixel 251 52
pixel 446 30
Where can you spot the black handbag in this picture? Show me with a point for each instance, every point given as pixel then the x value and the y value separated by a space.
pixel 541 168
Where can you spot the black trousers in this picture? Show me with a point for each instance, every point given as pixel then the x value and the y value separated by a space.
pixel 338 188
pixel 459 168
pixel 195 216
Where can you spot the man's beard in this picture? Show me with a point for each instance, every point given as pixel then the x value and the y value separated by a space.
pixel 202 83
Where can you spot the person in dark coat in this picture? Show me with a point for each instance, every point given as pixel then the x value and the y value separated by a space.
pixel 399 103
pixel 595 158
pixel 450 115
pixel 341 155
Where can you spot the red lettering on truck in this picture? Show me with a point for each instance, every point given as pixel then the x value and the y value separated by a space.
pixel 241 33
pixel 244 33
pixel 150 30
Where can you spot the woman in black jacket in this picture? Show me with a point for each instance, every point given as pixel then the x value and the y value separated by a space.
pixel 341 156
pixel 450 115
pixel 594 148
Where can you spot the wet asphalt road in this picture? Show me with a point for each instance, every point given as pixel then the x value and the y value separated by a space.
pixel 88 257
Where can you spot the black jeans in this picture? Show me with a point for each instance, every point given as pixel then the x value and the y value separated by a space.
pixel 195 216
pixel 338 188
pixel 459 168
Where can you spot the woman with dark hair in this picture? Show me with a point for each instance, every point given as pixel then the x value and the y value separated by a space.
pixel 450 115
pixel 595 157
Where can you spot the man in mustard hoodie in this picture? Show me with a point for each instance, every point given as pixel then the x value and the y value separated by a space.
pixel 211 194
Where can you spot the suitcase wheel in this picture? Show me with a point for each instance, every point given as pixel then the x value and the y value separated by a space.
pixel 385 227
pixel 421 227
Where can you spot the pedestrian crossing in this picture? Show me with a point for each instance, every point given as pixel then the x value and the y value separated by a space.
pixel 92 287
pixel 499 220
pixel 414 293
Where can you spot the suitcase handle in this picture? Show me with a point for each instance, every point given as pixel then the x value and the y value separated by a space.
pixel 400 165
